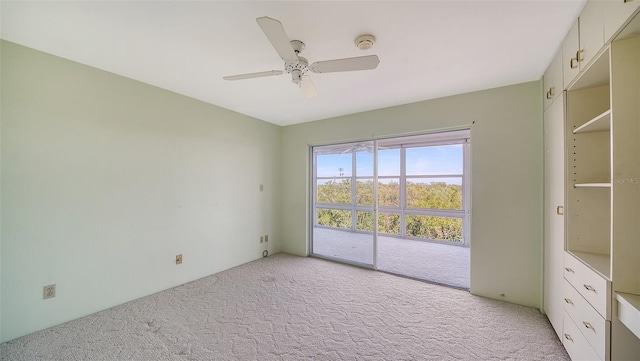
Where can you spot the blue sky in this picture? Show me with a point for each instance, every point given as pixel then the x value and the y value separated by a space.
pixel 434 160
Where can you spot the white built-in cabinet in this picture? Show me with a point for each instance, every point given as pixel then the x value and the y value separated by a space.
pixel 554 210
pixel 616 13
pixel 625 198
pixel 552 81
pixel 591 30
pixel 570 53
pixel 592 185
pixel 599 22
pixel 583 41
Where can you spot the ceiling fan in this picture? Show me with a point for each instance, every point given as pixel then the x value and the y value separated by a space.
pixel 347 148
pixel 359 147
pixel 298 66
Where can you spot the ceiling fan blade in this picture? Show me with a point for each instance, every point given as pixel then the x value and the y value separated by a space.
pixel 274 31
pixel 347 64
pixel 253 75
pixel 308 89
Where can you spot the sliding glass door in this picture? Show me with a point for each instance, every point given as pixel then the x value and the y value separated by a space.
pixel 399 205
pixel 423 207
pixel 343 202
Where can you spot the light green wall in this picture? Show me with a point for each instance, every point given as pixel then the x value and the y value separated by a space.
pixel 0 194
pixel 506 163
pixel 106 179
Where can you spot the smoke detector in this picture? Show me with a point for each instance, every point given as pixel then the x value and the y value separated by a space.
pixel 365 42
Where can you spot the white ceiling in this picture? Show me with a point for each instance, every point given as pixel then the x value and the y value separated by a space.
pixel 427 49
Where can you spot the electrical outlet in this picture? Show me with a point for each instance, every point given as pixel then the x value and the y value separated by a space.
pixel 49 291
pixel 179 258
pixel 261 239
pixel 266 238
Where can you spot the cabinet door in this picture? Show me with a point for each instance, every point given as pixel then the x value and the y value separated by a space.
pixel 553 218
pixel 553 80
pixel 616 14
pixel 570 47
pixel 591 32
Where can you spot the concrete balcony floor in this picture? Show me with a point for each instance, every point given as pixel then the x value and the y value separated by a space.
pixel 428 261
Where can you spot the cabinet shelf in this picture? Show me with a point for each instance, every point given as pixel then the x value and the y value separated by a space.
pixel 629 311
pixel 600 263
pixel 592 185
pixel 598 124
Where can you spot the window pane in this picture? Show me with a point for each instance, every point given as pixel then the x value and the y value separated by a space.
pixel 389 223
pixel 337 218
pixel 439 228
pixel 336 191
pixel 333 165
pixel 364 163
pixel 435 160
pixel 364 192
pixel 389 192
pixel 364 221
pixel 389 162
pixel 434 193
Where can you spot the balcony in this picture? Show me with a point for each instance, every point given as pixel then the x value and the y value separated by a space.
pixel 437 262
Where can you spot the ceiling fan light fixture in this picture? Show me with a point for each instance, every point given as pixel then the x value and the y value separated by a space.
pixel 298 67
pixel 365 42
pixel 296 76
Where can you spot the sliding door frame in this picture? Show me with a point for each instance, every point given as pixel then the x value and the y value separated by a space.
pixel 465 215
pixel 353 206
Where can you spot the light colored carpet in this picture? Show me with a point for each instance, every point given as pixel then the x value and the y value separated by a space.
pixel 429 261
pixel 290 308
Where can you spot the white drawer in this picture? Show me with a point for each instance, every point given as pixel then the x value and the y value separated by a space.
pixel 593 287
pixel 575 343
pixel 593 326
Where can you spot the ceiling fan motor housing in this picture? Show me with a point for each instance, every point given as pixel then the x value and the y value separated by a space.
pixel 297 45
pixel 297 66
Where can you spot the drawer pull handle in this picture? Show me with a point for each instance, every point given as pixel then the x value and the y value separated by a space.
pixel 587 325
pixel 589 288
pixel 579 56
pixel 568 300
pixel 560 210
pixel 568 337
pixel 568 269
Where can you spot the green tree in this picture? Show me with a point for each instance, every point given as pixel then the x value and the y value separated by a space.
pixel 364 193
pixel 334 218
pixel 389 194
pixel 335 192
pixel 433 195
pixel 364 221
pixel 389 223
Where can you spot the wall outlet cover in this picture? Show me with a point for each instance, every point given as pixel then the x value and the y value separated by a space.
pixel 49 291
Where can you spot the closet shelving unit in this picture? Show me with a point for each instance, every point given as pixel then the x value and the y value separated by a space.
pixel 602 199
pixel 589 172
pixel 600 123
pixel 592 184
